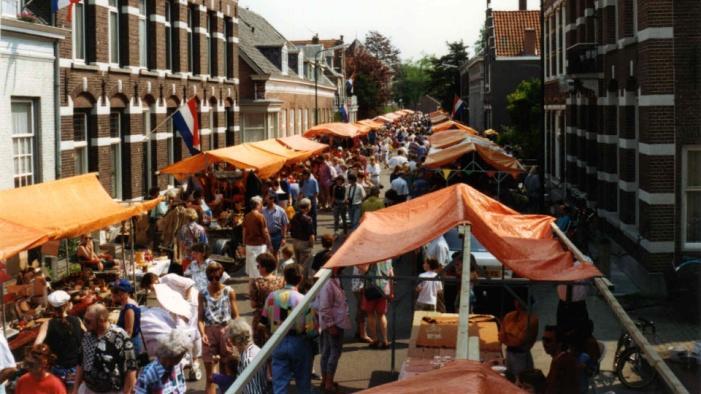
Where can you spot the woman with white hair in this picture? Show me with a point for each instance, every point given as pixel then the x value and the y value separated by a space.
pixel 241 336
pixel 165 373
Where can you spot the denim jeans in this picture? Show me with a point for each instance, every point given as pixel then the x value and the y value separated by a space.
pixel 330 349
pixel 339 214
pixel 293 357
pixel 354 214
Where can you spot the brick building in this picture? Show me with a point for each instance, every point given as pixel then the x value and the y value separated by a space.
pixel 623 117
pixel 125 66
pixel 511 55
pixel 277 85
pixel 27 98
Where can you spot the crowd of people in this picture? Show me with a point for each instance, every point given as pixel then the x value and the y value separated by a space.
pixel 194 314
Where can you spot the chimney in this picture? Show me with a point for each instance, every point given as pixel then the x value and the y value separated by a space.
pixel 522 5
pixel 341 39
pixel 489 4
pixel 529 42
pixel 315 39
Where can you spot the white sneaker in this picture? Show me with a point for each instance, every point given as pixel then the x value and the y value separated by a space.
pixel 195 372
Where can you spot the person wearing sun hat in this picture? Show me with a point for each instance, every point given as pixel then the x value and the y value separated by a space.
pixel 63 334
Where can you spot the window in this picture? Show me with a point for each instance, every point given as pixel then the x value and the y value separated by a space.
pixel 173 148
pixel 283 122
pixel 80 142
pixel 190 40
pixel 254 127
pixel 143 34
pixel 149 162
pixel 299 121
pixel 79 31
pixel 292 122
pixel 24 142
pixel 113 27
pixel 691 197
pixel 227 49
pixel 169 34
pixel 211 45
pixel 272 126
pixel 306 119
pixel 10 8
pixel 116 125
pixel 213 127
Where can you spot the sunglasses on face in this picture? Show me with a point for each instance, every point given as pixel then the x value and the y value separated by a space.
pixel 213 278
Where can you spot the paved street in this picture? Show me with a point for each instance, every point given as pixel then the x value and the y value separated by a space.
pixel 361 367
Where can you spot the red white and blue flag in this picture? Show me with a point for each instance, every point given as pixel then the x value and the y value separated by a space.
pixel 185 121
pixel 58 4
pixel 457 105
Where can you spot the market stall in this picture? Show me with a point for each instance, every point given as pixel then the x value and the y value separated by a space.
pixel 449 146
pixel 459 376
pixel 373 124
pixel 297 142
pixel 336 129
pixel 57 210
pixel 453 125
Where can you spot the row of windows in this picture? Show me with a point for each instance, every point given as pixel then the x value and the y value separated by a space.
pixel 147 53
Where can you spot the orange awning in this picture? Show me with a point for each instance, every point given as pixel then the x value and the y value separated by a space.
pixel 523 243
pixel 363 129
pixel 446 138
pixel 297 142
pixel 451 124
pixel 453 149
pixel 458 376
pixel 337 129
pixel 16 238
pixel 67 207
pixel 439 118
pixel 243 156
pixel 373 124
pixel 272 146
pixel 383 118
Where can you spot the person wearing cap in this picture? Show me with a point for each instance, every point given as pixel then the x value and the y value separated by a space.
pixel 62 334
pixel 108 363
pixel 129 314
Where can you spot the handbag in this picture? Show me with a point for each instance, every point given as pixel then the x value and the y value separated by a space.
pixel 373 292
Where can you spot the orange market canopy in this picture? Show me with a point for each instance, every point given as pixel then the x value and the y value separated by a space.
pixel 383 118
pixel 439 118
pixel 65 208
pixel 297 142
pixel 16 238
pixel 454 147
pixel 373 124
pixel 451 124
pixel 458 376
pixel 523 243
pixel 363 129
pixel 291 156
pixel 336 129
pixel 243 156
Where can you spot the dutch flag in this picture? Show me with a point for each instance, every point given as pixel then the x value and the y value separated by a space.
pixel 457 105
pixel 58 4
pixel 185 120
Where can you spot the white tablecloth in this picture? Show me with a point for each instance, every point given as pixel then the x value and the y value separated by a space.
pixel 158 267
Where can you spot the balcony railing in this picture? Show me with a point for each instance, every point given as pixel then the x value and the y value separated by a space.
pixel 583 58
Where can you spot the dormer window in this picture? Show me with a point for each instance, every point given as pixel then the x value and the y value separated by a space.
pixel 300 63
pixel 284 60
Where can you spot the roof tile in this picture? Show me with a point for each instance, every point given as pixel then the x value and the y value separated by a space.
pixel 509 29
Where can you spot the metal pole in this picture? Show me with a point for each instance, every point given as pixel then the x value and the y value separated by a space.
pixel 2 298
pixel 132 238
pixel 394 329
pixel 461 347
pixel 259 361
pixel 316 90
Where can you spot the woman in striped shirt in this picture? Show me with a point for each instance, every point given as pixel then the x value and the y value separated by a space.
pixel 239 333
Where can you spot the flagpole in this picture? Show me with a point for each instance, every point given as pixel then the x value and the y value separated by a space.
pixel 168 118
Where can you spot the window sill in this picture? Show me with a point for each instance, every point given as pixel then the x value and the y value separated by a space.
pixel 119 70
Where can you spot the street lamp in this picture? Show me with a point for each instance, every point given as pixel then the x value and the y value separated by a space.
pixel 316 79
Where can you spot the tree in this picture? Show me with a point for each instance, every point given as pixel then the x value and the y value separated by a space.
pixel 479 43
pixel 524 106
pixel 444 73
pixel 411 81
pixel 371 81
pixel 381 47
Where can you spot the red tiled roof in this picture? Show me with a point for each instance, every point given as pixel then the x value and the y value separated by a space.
pixel 508 31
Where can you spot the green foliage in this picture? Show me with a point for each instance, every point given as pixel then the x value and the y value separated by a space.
pixel 371 82
pixel 444 73
pixel 479 43
pixel 411 81
pixel 526 113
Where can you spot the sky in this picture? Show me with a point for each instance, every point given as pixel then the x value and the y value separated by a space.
pixel 416 27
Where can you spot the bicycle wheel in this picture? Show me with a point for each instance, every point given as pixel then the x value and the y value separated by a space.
pixel 633 369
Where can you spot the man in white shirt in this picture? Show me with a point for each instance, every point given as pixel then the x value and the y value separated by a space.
pixel 400 187
pixel 399 160
pixel 355 194
pixel 7 363
pixel 428 289
pixel 438 250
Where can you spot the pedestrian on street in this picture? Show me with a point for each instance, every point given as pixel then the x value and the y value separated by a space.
pixel 373 171
pixel 354 199
pixel 338 195
pixel 165 373
pixel 373 202
pixel 400 186
pixel 518 331
pixel 276 220
pixel 377 291
pixel 108 362
pixel 310 190
pixel 302 233
pixel 217 306
pixel 562 374
pixel 333 322
pixel 294 355
pixel 129 313
pixel 258 291
pixel 197 270
pixel 255 235
pixel 428 290
pixel 239 333
pixel 190 234
pixel 38 379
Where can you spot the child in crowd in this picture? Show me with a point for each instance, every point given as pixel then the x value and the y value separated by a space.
pixel 428 289
pixel 287 257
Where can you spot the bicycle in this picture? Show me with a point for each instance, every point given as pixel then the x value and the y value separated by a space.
pixel 630 363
